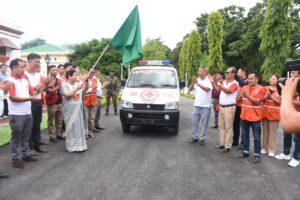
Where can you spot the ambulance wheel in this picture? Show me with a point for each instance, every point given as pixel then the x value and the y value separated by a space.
pixel 175 129
pixel 126 128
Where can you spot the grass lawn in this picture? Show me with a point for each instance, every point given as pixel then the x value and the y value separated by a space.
pixel 5 132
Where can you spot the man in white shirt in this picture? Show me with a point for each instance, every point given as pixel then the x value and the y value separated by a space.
pixel 35 80
pixel 99 98
pixel 202 88
pixel 19 111
pixel 229 89
pixel 3 89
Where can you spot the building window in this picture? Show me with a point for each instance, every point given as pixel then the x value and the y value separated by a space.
pixel 54 58
pixel 3 51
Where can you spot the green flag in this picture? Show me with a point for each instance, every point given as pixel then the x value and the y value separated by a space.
pixel 128 38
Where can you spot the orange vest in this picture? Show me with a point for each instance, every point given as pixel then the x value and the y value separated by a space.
pixel 249 111
pixel 90 98
pixel 270 108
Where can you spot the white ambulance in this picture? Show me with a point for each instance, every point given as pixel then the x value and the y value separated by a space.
pixel 151 96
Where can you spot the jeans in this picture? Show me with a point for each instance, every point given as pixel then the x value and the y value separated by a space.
pixel 256 129
pixel 287 144
pixel 21 130
pixel 98 112
pixel 236 126
pixel 37 113
pixel 216 112
pixel 200 114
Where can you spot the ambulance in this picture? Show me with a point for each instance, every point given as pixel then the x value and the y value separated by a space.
pixel 151 96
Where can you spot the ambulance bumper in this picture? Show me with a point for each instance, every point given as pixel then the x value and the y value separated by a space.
pixel 149 117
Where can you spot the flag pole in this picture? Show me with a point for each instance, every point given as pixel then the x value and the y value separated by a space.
pixel 105 49
pixel 122 72
pixel 100 56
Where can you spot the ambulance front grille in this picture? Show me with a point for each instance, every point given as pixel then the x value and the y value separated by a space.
pixel 148 106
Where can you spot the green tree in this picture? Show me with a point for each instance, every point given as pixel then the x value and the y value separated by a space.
pixel 33 43
pixel 234 27
pixel 193 54
pixel 183 58
pixel 85 54
pixel 155 49
pixel 276 37
pixel 215 38
pixel 201 23
pixel 175 55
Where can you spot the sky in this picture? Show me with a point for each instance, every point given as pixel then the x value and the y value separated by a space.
pixel 74 21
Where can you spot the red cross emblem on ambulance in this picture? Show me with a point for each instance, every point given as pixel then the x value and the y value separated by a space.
pixel 149 95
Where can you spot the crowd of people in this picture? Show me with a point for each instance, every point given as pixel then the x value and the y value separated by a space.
pixel 240 103
pixel 73 103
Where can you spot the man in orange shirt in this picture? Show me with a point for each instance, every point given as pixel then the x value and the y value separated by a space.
pixel 251 97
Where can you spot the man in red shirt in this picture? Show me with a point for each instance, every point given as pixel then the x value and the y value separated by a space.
pixel 53 101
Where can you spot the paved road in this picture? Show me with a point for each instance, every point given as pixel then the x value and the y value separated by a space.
pixel 148 164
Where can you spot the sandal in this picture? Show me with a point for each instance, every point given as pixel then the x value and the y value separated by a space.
pixel 91 135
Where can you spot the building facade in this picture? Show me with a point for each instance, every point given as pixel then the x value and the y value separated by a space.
pixel 10 43
pixel 57 55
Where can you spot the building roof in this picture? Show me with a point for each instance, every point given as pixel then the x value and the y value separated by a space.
pixel 47 48
pixel 4 42
pixel 10 30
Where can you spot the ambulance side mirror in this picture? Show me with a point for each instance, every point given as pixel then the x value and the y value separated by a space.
pixel 181 84
pixel 123 83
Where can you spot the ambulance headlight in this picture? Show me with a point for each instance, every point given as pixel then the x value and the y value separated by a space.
pixel 172 105
pixel 126 104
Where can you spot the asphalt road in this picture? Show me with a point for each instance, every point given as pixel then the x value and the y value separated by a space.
pixel 148 163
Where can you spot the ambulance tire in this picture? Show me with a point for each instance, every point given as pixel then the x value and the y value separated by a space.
pixel 175 129
pixel 126 128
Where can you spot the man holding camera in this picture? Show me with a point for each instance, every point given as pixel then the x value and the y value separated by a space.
pixel 287 137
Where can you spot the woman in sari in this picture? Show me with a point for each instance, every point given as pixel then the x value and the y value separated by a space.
pixel 73 113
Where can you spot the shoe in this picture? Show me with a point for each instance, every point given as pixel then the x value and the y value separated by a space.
pixel 53 139
pixel 40 150
pixel 226 150
pixel 4 175
pixel 235 144
pixel 263 151
pixel 61 137
pixel 99 128
pixel 271 154
pixel 294 163
pixel 245 155
pixel 96 130
pixel 219 147
pixel 215 126
pixel 202 142
pixel 34 153
pixel 17 163
pixel 194 140
pixel 87 137
pixel 256 159
pixel 106 113
pixel 29 159
pixel 91 135
pixel 282 156
pixel 44 143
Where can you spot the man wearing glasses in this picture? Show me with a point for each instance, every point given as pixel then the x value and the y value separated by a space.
pixel 229 89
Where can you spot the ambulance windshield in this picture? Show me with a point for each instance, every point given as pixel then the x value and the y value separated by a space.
pixel 152 78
